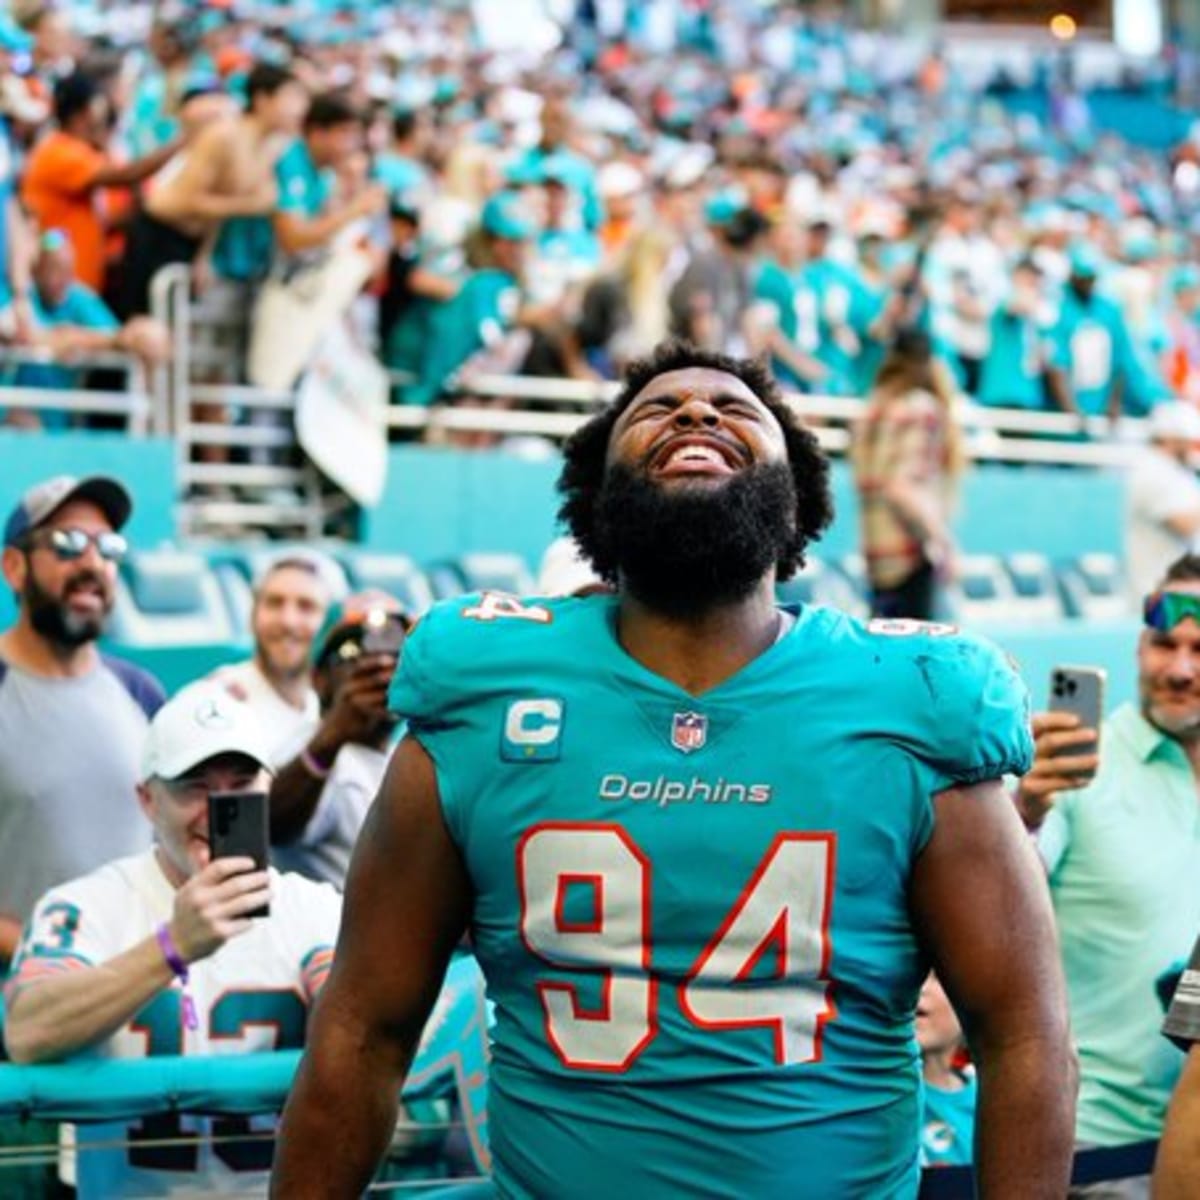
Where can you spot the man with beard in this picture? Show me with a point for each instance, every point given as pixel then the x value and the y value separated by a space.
pixel 706 848
pixel 1119 834
pixel 290 600
pixel 71 719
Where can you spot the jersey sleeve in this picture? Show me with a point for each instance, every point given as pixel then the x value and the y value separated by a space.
pixel 1182 1025
pixel 313 912
pixel 65 933
pixel 960 705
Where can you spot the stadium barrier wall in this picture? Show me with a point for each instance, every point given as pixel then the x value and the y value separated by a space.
pixel 442 503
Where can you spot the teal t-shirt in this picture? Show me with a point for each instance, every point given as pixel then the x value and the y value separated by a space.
pixel 304 189
pixel 1090 343
pixel 483 310
pixel 948 1125
pixel 692 911
pixel 839 308
pixel 81 307
pixel 1013 369
pixel 1123 856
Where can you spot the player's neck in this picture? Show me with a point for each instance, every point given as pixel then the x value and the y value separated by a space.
pixel 700 652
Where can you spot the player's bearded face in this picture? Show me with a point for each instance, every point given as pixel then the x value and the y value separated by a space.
pixel 683 549
pixel 62 618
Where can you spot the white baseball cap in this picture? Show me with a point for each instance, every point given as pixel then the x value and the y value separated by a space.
pixel 1175 419
pixel 198 723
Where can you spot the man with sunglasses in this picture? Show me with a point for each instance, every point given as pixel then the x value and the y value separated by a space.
pixel 320 799
pixel 1117 827
pixel 72 720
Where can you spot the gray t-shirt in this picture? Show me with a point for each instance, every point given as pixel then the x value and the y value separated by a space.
pixel 70 753
pixel 1183 1020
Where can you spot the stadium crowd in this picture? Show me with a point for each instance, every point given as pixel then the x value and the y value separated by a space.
pixel 777 185
pixel 556 203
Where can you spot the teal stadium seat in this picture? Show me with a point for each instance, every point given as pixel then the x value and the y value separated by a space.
pixel 1094 587
pixel 169 598
pixel 395 574
pixel 983 592
pixel 1036 587
pixel 496 573
pixel 820 582
pixel 445 579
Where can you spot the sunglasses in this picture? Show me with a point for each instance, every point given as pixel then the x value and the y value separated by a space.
pixel 69 544
pixel 1164 610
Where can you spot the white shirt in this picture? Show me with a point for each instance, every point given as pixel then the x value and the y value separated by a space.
pixel 1160 487
pixel 285 727
pixel 251 995
pixel 323 850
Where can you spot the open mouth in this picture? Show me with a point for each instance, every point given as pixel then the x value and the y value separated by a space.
pixel 697 456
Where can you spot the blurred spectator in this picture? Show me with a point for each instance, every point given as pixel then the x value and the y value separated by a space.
pixel 401 167
pixel 320 799
pixel 69 166
pixel 908 456
pixel 291 597
pixel 162 952
pixel 227 172
pixel 951 1092
pixel 622 190
pixel 16 252
pixel 1115 811
pixel 62 814
pixel 322 179
pixel 1013 372
pixel 1090 356
pixel 486 310
pixel 1178 1164
pixel 70 320
pixel 1181 366
pixel 1163 494
pixel 577 171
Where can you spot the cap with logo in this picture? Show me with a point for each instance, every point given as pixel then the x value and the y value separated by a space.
pixel 504 217
pixel 45 498
pixel 200 722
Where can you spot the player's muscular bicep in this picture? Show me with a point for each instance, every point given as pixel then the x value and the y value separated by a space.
pixel 408 901
pixel 981 905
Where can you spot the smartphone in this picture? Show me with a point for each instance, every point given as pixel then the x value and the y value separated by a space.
pixel 384 632
pixel 237 827
pixel 1079 690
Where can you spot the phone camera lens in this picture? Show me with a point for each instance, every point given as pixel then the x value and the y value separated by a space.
pixel 1072 687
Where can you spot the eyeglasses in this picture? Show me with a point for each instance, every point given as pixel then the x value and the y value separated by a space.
pixel 68 544
pixel 1164 610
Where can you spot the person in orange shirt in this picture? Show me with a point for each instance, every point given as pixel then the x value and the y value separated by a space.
pixel 69 166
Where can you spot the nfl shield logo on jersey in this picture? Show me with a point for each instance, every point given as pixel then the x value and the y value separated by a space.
pixel 689 731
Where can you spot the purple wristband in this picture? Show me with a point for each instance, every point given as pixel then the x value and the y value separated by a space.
pixel 166 943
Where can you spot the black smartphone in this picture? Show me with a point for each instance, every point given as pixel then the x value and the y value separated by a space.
pixel 237 827
pixel 383 632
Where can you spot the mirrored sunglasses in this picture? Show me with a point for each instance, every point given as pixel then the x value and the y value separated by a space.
pixel 68 544
pixel 1164 610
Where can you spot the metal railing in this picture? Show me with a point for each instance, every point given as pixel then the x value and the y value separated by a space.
pixel 134 402
pixel 272 490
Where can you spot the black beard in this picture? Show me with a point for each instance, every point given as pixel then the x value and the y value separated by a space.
pixel 685 551
pixel 54 621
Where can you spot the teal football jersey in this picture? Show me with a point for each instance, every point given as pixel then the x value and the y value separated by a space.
pixel 692 911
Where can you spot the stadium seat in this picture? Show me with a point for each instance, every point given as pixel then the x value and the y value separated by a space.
pixel 496 573
pixel 1093 587
pixel 1036 587
pixel 169 598
pixel 819 582
pixel 445 579
pixel 395 574
pixel 984 591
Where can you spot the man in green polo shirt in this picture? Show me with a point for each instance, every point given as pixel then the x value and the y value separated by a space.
pixel 1123 856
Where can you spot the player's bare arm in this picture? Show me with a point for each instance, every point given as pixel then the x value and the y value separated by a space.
pixel 980 902
pixel 1178 1165
pixel 408 902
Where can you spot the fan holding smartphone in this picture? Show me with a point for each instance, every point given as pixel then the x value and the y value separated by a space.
pixel 193 947
pixel 1113 798
pixel 319 800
